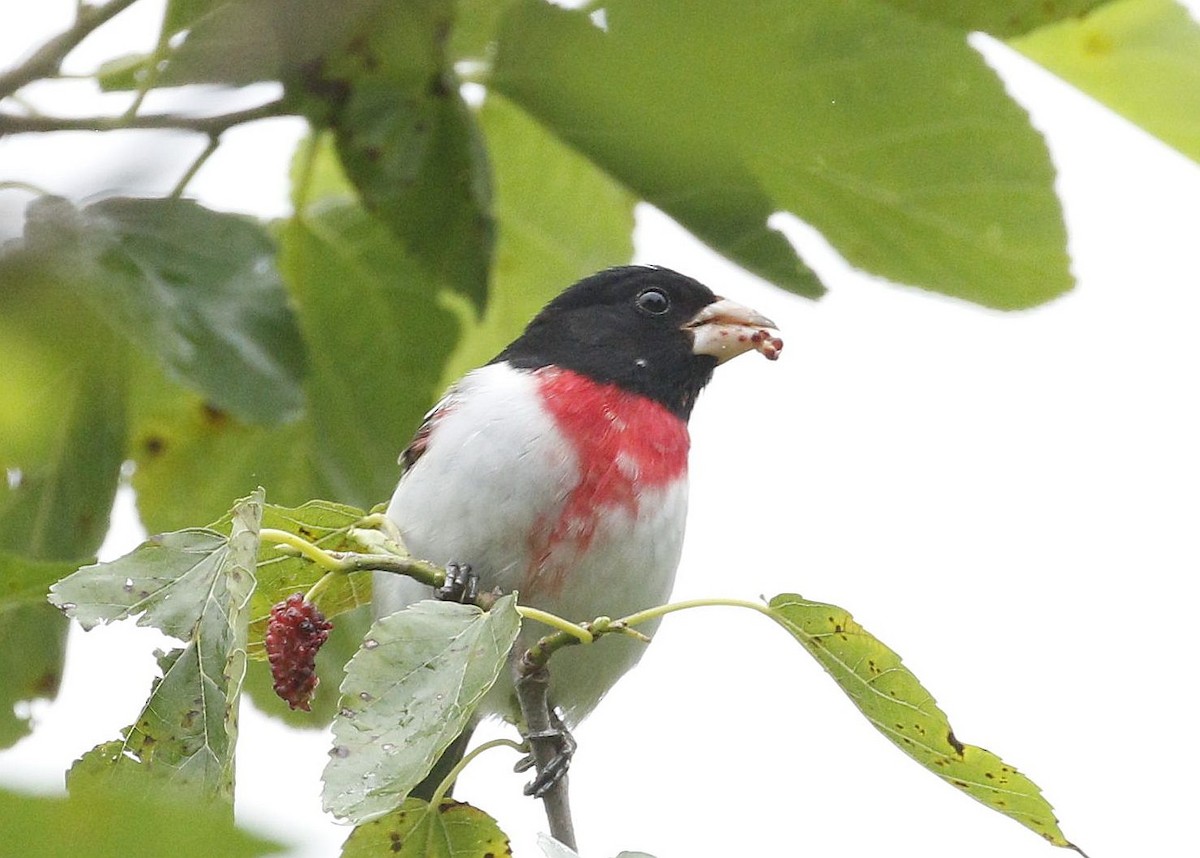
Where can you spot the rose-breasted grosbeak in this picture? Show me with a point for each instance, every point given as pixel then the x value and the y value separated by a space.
pixel 560 468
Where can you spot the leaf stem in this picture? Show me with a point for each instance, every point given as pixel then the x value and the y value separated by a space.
pixel 303 547
pixel 452 776
pixel 662 610
pixel 47 59
pixel 213 142
pixel 556 622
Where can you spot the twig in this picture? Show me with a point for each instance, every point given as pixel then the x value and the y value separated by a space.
pixel 186 178
pixel 47 59
pixel 212 126
pixel 532 690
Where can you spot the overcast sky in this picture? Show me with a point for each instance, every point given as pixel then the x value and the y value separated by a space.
pixel 1008 500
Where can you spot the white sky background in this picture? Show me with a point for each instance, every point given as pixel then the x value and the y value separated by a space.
pixel 1008 500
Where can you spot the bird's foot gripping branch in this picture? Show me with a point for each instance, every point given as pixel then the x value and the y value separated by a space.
pixel 412 686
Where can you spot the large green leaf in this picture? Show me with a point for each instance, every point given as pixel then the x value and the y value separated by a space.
pixel 409 691
pixel 1139 57
pixel 998 17
pixel 418 830
pixel 896 704
pixel 117 824
pixel 377 338
pixel 196 288
pixel 559 219
pixel 194 585
pixel 888 134
pixel 409 142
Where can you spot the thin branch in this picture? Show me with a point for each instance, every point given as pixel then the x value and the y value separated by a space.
pixel 212 126
pixel 186 178
pixel 532 690
pixel 47 59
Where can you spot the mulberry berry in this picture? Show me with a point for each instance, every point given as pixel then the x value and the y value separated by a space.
pixel 295 632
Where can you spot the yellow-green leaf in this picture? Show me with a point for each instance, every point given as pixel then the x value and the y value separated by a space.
pixel 894 701
pixel 1139 57
pixel 418 830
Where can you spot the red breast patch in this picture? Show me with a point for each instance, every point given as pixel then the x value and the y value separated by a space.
pixel 624 444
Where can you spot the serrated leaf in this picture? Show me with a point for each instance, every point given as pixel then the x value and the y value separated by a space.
pixel 889 135
pixel 418 830
pixel 409 692
pixel 194 585
pixel 1141 58
pixel 998 17
pixel 120 824
pixel 896 704
pixel 197 289
pixel 377 338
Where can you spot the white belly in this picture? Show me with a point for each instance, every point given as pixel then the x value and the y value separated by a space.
pixel 455 506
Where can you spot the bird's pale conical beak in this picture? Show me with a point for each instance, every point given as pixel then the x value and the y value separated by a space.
pixel 725 329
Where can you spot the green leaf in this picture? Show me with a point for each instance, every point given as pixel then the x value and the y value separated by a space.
pixel 118 825
pixel 889 135
pixel 377 338
pixel 409 691
pixel 123 73
pixel 325 524
pixel 196 288
pixel 1005 18
pixel 559 219
pixel 32 644
pixel 25 581
pixel 240 42
pixel 409 142
pixel 418 830
pixel 192 457
pixel 1139 57
pixel 194 585
pixel 896 704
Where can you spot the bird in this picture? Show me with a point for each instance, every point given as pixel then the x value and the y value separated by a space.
pixel 559 469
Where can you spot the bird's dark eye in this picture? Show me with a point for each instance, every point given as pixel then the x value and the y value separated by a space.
pixel 653 302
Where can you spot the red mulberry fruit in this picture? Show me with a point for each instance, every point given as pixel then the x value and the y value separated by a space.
pixel 295 632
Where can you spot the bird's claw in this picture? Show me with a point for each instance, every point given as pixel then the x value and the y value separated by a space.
pixel 554 770
pixel 461 585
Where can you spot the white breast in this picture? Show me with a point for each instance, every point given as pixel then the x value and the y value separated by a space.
pixel 465 501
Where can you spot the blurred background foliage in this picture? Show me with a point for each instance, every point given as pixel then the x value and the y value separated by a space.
pixel 465 161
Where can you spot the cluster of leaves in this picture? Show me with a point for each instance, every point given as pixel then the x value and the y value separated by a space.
pixel 411 687
pixel 216 352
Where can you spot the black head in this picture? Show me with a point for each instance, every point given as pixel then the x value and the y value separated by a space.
pixel 624 326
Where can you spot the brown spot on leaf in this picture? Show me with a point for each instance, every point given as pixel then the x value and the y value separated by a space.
pixel 213 416
pixel 154 445
pixel 954 743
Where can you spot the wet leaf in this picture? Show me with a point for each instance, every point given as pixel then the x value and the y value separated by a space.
pixel 193 585
pixel 896 704
pixel 409 692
